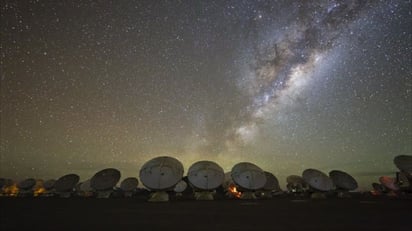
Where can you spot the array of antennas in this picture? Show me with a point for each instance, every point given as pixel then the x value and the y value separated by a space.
pixel 400 183
pixel 205 180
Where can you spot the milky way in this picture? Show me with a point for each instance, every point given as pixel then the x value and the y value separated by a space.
pixel 283 66
pixel 287 85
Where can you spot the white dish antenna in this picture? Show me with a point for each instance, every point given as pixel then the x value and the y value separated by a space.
pixel 317 180
pixel 26 184
pixel 205 175
pixel 49 184
pixel 161 173
pixel 389 183
pixel 66 183
pixel 129 184
pixel 180 187
pixel 272 183
pixel 343 180
pixel 248 176
pixel 105 179
pixel 403 163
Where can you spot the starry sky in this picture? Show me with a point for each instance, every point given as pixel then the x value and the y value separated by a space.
pixel 287 85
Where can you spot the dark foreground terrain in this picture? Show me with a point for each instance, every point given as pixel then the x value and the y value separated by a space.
pixel 275 214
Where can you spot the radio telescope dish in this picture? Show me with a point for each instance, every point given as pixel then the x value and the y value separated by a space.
pixel 248 176
pixel 105 179
pixel 389 183
pixel 403 163
pixel 129 184
pixel 272 183
pixel 26 184
pixel 180 187
pixel 343 180
pixel 66 183
pixel 205 175
pixel 49 184
pixel 161 173
pixel 317 180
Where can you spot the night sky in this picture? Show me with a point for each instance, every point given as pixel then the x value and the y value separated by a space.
pixel 287 85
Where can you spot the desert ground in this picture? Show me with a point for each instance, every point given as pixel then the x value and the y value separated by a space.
pixel 279 213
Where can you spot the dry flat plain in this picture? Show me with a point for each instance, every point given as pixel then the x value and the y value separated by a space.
pixel 284 213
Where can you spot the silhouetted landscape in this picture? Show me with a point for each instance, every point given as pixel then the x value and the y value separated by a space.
pixel 284 213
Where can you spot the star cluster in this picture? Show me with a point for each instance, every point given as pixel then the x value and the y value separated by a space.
pixel 287 85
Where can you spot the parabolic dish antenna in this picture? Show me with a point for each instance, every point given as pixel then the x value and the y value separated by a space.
pixel 248 176
pixel 86 186
pixel 161 173
pixel 272 182
pixel 317 180
pixel 129 184
pixel 49 184
pixel 206 175
pixel 180 187
pixel 26 184
pixel 403 163
pixel 105 179
pixel 389 183
pixel 66 183
pixel 343 180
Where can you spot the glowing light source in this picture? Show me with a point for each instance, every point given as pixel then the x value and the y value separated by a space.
pixel 10 191
pixel 39 191
pixel 233 190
